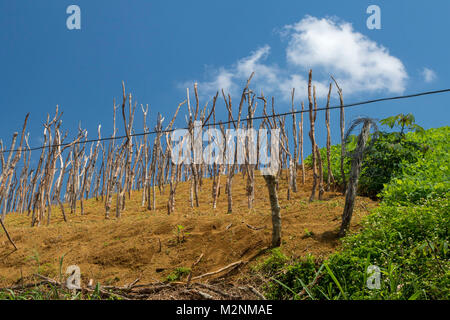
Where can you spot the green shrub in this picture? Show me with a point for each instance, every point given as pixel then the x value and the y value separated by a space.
pixel 384 158
pixel 386 155
pixel 427 178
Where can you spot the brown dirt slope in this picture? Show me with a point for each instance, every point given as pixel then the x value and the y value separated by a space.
pixel 144 244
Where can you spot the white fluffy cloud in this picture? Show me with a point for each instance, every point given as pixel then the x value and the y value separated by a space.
pixel 428 75
pixel 359 63
pixel 329 47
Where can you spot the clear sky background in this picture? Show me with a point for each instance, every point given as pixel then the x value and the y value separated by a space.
pixel 159 48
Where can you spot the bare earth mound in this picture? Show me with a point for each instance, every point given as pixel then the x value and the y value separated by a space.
pixel 146 245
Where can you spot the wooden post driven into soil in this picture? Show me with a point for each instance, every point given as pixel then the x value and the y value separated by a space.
pixel 330 177
pixel 294 163
pixel 232 168
pixel 300 124
pixel 312 119
pixel 354 176
pixel 271 181
pixel 342 123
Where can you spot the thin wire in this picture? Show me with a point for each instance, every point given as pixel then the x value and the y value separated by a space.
pixel 233 121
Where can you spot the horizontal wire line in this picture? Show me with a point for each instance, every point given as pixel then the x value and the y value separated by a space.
pixel 234 121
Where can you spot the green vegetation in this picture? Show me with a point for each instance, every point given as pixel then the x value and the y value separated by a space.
pixel 385 155
pixel 273 264
pixel 407 236
pixel 50 292
pixel 180 233
pixel 177 274
pixel 308 233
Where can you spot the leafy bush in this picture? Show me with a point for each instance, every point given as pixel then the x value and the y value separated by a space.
pixel 384 158
pixel 385 155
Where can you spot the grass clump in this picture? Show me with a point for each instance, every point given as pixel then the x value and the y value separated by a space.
pixel 272 265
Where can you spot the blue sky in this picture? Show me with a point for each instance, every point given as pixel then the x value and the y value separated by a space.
pixel 158 48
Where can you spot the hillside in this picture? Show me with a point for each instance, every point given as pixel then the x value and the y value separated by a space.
pixel 145 244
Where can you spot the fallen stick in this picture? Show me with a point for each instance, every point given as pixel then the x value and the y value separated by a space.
pixel 48 280
pixel 198 261
pixel 125 287
pixel 233 265
pixel 204 295
pixel 131 285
